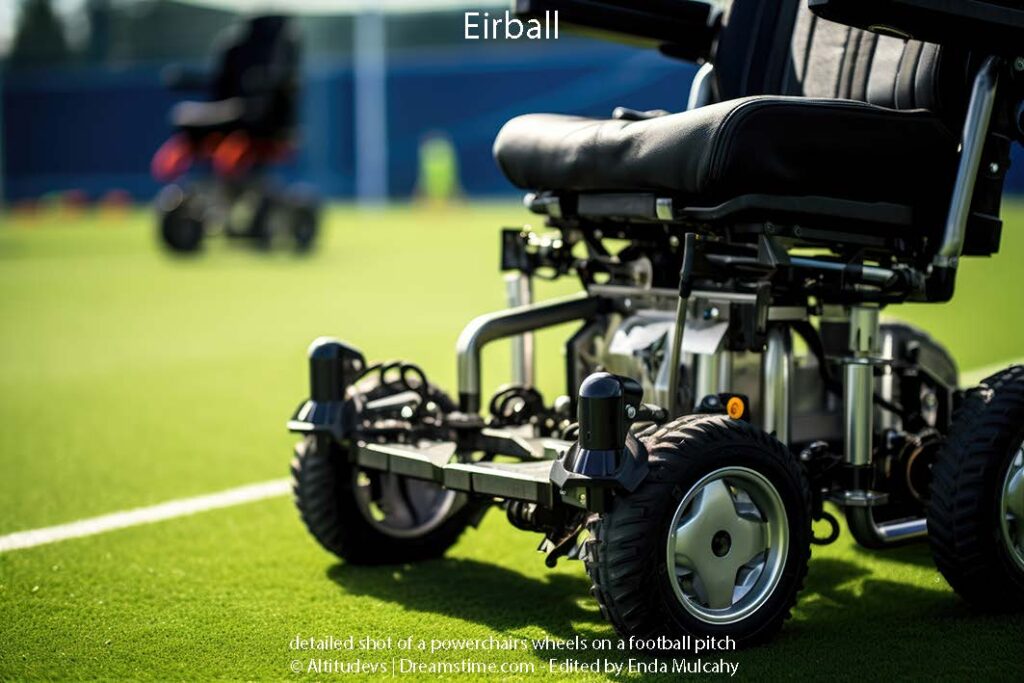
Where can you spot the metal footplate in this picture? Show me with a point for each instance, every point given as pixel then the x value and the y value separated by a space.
pixel 419 463
pixel 528 481
pixel 582 474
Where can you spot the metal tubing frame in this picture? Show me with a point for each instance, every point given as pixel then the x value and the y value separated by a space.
pixel 976 125
pixel 675 354
pixel 709 375
pixel 888 533
pixel 858 413
pixel 501 324
pixel 776 382
pixel 725 370
pixel 858 386
pixel 519 292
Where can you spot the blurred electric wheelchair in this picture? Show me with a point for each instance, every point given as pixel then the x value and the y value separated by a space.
pixel 245 126
pixel 730 374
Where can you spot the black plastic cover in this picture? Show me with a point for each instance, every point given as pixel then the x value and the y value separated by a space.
pixel 991 27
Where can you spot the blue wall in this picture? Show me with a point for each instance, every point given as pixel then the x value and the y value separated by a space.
pixel 96 129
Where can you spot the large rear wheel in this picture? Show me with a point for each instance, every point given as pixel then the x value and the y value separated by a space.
pixel 976 515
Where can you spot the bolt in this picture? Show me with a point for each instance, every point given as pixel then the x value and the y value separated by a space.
pixel 1018 64
pixel 630 412
pixel 993 168
pixel 711 313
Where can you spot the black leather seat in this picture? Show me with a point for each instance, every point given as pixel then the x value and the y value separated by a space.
pixel 772 145
pixel 806 107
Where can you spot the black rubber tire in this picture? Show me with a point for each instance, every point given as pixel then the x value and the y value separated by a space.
pixel 963 516
pixel 180 231
pixel 322 484
pixel 261 230
pixel 304 225
pixel 625 553
pixel 908 335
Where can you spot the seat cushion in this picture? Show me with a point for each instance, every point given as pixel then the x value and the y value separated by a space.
pixel 772 145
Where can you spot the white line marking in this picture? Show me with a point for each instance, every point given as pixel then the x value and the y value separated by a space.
pixel 146 515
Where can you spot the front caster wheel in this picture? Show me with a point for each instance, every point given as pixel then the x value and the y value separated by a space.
pixel 368 517
pixel 714 542
pixel 976 516
pixel 304 223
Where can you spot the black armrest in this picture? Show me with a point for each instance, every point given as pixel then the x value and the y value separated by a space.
pixel 685 28
pixel 989 26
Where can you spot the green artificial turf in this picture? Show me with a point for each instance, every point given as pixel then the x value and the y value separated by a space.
pixel 128 377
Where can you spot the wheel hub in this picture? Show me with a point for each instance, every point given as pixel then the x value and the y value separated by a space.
pixel 1012 508
pixel 721 543
pixel 402 507
pixel 727 545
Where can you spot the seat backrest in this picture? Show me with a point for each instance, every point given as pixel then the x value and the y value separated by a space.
pixel 259 61
pixel 779 47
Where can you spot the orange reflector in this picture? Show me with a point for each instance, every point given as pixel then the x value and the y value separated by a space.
pixel 735 407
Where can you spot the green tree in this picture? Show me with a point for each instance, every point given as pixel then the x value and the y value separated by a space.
pixel 40 36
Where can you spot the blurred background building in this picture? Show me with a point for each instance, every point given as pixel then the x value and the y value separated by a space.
pixel 83 108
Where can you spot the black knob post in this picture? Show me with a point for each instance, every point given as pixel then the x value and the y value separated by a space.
pixel 333 366
pixel 607 406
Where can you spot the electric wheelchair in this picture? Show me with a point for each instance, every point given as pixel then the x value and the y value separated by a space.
pixel 245 126
pixel 729 374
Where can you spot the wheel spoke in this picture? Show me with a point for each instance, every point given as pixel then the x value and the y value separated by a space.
pixel 391 503
pixel 749 539
pixel 410 505
pixel 711 510
pixel 717 505
pixel 719 583
pixel 690 545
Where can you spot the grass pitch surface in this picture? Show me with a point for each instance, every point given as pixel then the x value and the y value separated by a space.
pixel 128 377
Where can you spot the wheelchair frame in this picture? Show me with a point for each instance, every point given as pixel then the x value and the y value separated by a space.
pixel 569 470
pixel 524 317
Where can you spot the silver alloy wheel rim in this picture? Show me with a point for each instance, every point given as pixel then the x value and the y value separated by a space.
pixel 727 545
pixel 406 508
pixel 1011 508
